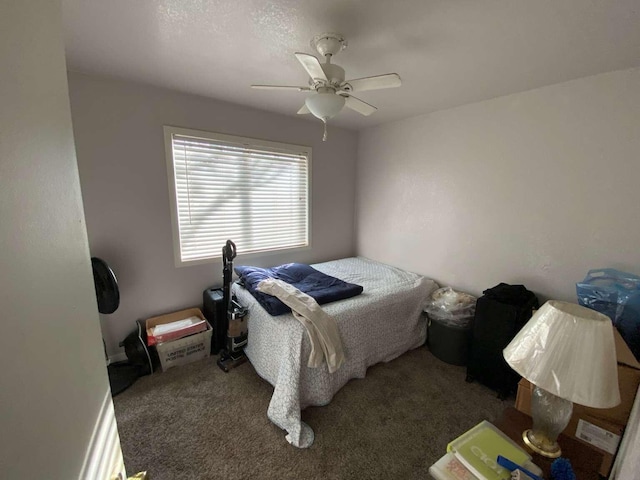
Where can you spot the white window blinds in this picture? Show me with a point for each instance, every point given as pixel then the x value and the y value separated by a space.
pixel 254 193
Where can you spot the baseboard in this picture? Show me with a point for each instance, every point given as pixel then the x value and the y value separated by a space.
pixel 103 460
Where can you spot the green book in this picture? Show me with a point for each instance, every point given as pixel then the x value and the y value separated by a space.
pixel 478 450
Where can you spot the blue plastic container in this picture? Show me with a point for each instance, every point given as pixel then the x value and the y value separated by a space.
pixel 617 295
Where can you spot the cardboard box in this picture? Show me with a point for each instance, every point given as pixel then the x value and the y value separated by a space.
pixel 189 326
pixel 184 350
pixel 612 420
pixel 599 434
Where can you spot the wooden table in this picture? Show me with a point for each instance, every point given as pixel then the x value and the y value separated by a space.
pixel 584 459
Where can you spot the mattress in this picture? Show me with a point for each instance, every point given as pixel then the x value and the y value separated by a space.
pixel 378 325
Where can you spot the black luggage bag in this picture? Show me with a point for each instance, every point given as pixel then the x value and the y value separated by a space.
pixel 500 314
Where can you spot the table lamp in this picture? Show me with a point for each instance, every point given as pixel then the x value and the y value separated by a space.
pixel 568 353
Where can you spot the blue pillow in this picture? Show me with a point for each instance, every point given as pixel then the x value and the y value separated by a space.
pixel 323 288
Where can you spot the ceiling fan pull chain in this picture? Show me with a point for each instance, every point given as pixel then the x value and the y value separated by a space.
pixel 324 137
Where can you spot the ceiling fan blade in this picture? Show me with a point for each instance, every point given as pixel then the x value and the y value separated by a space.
pixel 390 80
pixel 280 87
pixel 304 110
pixel 359 106
pixel 312 65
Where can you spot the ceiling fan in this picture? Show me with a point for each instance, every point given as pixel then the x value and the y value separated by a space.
pixel 331 91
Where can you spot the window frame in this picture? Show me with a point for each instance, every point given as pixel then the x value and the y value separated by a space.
pixel 170 131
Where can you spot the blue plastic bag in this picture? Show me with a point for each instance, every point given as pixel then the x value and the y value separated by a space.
pixel 617 295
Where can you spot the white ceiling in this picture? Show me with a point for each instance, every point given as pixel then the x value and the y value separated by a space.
pixel 448 52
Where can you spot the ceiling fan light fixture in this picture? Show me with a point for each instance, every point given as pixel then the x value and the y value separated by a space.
pixel 325 105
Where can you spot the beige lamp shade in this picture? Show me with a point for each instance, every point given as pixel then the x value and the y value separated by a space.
pixel 569 351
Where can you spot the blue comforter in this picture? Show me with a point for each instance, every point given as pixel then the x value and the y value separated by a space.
pixel 323 288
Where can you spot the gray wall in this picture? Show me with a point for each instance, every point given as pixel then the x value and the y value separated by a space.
pixel 534 188
pixel 53 370
pixel 120 148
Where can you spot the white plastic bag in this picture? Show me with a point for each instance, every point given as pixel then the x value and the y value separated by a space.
pixel 451 308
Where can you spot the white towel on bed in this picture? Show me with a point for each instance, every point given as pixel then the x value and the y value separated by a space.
pixel 321 328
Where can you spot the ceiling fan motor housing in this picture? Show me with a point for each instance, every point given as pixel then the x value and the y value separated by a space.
pixel 334 73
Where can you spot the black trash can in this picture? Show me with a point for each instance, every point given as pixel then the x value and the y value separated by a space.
pixel 449 343
pixel 450 325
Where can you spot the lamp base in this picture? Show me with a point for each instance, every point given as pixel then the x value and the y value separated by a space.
pixel 542 446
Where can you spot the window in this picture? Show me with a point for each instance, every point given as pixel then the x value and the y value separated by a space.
pixel 222 187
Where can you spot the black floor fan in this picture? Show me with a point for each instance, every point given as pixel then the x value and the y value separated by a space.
pixel 121 374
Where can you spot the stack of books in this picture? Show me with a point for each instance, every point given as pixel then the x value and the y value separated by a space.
pixel 474 456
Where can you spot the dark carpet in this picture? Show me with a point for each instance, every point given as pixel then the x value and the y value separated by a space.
pixel 197 422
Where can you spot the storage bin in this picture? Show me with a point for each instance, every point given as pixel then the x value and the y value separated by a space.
pixel 450 325
pixel 449 343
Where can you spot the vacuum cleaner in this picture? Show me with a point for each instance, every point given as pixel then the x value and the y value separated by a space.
pixel 237 333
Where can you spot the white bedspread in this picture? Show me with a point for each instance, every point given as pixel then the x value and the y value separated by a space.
pixel 377 326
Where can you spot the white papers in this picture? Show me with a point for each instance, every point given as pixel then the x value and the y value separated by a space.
pixel 177 325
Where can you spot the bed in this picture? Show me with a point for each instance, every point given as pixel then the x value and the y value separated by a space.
pixel 378 325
